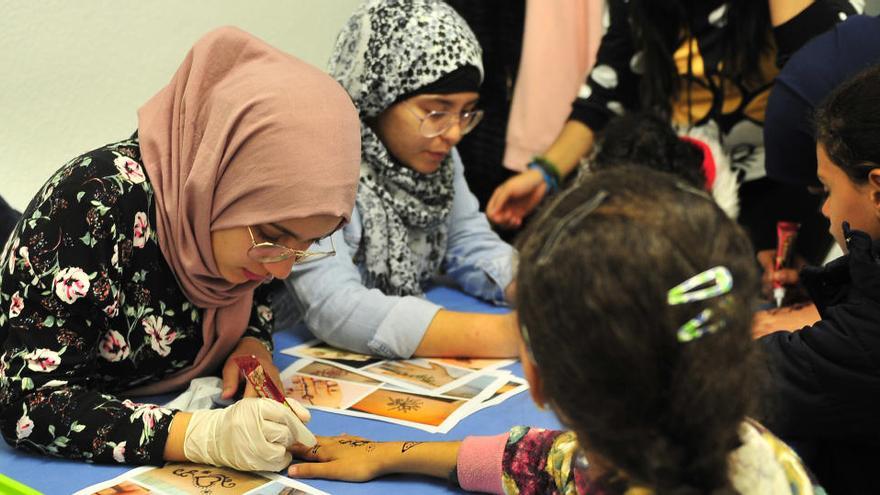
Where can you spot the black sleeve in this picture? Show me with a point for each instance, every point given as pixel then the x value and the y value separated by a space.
pixel 819 17
pixel 613 83
pixel 60 269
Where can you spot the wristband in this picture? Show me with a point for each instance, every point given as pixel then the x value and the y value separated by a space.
pixel 548 167
pixel 552 185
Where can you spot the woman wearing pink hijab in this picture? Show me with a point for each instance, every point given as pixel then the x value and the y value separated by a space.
pixel 136 267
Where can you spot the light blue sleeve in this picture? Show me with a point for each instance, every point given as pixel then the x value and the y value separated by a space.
pixel 335 305
pixel 476 258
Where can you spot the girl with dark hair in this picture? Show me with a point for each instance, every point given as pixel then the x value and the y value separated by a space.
pixel 640 345
pixel 413 70
pixel 827 374
pixel 705 65
pixel 649 141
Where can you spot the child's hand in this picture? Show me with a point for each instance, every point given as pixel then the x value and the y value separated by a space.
pixel 343 457
pixel 349 458
pixel 786 276
pixel 788 318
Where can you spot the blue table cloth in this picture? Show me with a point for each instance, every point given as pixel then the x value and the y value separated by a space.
pixel 54 476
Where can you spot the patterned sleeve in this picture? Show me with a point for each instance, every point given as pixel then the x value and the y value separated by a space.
pixel 528 461
pixel 61 278
pixel 613 83
pixel 262 320
pixel 539 461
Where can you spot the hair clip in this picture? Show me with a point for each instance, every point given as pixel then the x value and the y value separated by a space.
pixel 722 282
pixel 696 327
pixel 569 222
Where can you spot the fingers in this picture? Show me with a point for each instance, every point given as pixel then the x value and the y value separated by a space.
pixel 276 458
pixel 786 276
pixel 231 378
pixel 301 412
pixel 313 453
pixel 495 200
pixel 278 413
pixel 313 470
pixel 767 259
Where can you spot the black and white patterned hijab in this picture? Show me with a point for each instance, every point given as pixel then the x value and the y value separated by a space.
pixel 391 48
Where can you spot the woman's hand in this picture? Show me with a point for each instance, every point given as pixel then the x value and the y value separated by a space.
pixel 788 318
pixel 248 346
pixel 515 198
pixel 350 458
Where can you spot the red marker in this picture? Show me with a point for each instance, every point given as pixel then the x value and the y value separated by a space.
pixel 786 233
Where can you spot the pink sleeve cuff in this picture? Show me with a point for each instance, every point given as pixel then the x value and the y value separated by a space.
pixel 479 463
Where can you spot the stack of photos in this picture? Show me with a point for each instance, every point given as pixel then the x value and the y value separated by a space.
pixel 184 479
pixel 428 394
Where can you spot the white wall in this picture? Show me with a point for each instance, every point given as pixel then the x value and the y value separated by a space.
pixel 72 74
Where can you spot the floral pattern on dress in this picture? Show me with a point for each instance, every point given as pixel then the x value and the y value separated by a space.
pixel 89 308
pixel 538 461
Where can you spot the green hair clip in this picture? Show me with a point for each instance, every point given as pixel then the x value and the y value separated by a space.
pixel 694 289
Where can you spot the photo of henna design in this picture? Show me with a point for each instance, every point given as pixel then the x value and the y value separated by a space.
pixel 404 404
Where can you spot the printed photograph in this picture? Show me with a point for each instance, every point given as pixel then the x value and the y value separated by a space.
pixel 123 488
pixel 279 489
pixel 419 372
pixel 473 388
pixel 475 364
pixel 326 353
pixel 323 392
pixel 416 408
pixel 325 370
pixel 185 479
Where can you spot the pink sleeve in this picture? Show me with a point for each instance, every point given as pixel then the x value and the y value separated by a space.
pixel 479 463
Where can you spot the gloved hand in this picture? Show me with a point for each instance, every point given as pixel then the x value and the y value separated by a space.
pixel 251 435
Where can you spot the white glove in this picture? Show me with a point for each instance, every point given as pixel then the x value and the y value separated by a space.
pixel 250 435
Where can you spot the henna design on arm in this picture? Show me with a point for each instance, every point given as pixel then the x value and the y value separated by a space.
pixel 408 445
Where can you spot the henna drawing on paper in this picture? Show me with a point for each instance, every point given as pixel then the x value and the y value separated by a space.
pixel 408 445
pixel 404 405
pixel 205 479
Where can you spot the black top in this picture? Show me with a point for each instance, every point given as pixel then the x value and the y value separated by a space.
pixel 613 84
pixel 91 308
pixel 825 378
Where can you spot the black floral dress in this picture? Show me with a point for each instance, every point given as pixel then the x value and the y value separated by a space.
pixel 89 308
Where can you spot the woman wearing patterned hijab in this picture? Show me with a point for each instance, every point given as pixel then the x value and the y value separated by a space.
pixel 135 267
pixel 413 69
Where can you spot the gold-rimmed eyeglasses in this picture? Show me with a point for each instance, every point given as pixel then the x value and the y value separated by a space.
pixel 435 122
pixel 272 252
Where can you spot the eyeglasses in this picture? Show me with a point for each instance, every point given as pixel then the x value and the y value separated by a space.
pixel 436 123
pixel 271 252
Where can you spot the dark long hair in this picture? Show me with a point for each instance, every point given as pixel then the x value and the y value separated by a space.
pixel 648 141
pixel 848 124
pixel 664 413
pixel 658 25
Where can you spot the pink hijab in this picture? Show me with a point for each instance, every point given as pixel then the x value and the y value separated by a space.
pixel 244 134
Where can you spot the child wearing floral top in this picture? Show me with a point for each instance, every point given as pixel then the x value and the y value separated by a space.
pixel 634 302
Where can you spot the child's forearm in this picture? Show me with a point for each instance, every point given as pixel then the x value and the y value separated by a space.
pixel 428 458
